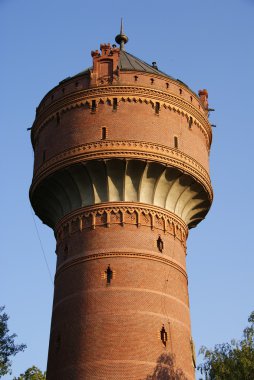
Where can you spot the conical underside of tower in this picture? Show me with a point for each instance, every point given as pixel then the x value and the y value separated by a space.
pixel 120 174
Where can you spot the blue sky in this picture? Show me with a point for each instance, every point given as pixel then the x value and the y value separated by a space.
pixel 206 44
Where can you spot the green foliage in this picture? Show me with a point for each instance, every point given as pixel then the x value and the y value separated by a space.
pixel 32 373
pixel 234 361
pixel 8 347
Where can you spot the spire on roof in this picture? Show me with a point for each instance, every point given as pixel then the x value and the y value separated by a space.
pixel 121 38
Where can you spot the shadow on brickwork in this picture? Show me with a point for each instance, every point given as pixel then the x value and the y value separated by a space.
pixel 165 369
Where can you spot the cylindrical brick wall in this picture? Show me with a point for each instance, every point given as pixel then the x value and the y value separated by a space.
pixel 121 173
pixel 99 329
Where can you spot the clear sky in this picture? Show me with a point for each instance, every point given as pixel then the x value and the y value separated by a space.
pixel 206 44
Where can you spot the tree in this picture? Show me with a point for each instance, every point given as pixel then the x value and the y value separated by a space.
pixel 166 370
pixel 8 348
pixel 32 373
pixel 231 361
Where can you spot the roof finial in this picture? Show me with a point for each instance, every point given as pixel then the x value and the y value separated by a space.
pixel 121 38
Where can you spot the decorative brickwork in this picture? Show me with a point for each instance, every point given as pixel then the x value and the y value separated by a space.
pixel 125 149
pixel 121 174
pixel 129 94
pixel 122 214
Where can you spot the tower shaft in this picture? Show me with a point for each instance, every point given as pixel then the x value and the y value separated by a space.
pixel 113 325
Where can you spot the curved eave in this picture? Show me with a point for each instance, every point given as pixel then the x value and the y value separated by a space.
pixel 120 180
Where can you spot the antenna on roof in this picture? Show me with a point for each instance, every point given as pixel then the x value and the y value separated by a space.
pixel 121 38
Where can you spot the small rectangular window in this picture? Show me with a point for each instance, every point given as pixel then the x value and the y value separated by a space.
pixel 176 142
pixel 190 122
pixel 103 133
pixel 157 108
pixel 114 104
pixel 93 105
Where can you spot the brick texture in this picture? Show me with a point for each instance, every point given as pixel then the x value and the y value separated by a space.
pixel 110 327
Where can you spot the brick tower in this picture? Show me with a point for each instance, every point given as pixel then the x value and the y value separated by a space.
pixel 121 175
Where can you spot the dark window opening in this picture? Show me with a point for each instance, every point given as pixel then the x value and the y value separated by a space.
pixel 76 84
pixel 58 342
pixel 176 142
pixel 114 104
pixel 103 133
pixel 157 108
pixel 191 98
pixel 180 91
pixel 152 81
pixel 190 122
pixel 164 336
pixel 136 78
pixel 93 105
pixel 167 85
pixel 65 252
pixel 44 156
pixel 160 244
pixel 109 274
pixel 57 118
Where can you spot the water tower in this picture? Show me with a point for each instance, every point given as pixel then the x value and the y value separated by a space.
pixel 121 174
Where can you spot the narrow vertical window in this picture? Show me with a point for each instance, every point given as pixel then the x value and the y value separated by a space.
pixel 58 342
pixel 152 81
pixel 164 335
pixel 167 85
pixel 114 104
pixel 180 91
pixel 93 105
pixel 103 133
pixel 190 122
pixel 136 78
pixel 191 98
pixel 176 142
pixel 160 244
pixel 109 274
pixel 57 118
pixel 44 156
pixel 66 251
pixel 157 108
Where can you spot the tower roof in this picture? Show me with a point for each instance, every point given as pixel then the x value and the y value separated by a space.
pixel 128 62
